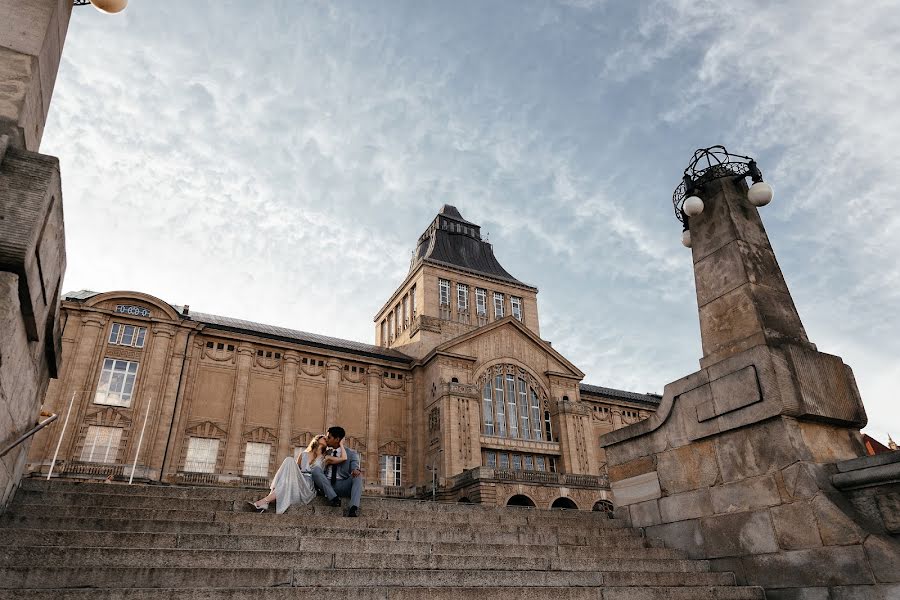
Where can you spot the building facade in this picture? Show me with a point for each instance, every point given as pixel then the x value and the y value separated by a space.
pixel 460 398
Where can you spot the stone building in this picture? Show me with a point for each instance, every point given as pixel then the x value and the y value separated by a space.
pixel 461 397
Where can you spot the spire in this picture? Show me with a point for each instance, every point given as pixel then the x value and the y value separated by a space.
pixel 891 443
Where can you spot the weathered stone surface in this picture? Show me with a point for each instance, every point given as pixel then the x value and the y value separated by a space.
pixel 636 489
pixel 889 507
pixel 795 526
pixel 644 514
pixel 828 443
pixel 750 451
pixel 809 593
pixel 736 390
pixel 738 534
pixel 689 505
pixel 829 566
pixel 835 527
pixel 863 592
pixel 632 468
pixel 684 535
pixel 750 493
pixel 688 467
pixel 884 558
pixel 801 480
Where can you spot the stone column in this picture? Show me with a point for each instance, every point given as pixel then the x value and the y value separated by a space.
pixel 332 383
pixel 286 413
pixel 238 410
pixel 172 450
pixel 374 375
pixel 31 42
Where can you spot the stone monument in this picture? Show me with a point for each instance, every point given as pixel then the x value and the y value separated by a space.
pixel 736 465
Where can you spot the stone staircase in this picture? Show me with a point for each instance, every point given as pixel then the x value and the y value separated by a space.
pixel 108 541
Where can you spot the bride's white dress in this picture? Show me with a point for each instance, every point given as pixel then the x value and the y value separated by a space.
pixel 293 483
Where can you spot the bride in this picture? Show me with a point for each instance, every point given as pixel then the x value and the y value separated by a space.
pixel 293 481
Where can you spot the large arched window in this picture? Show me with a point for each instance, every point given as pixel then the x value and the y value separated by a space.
pixel 511 404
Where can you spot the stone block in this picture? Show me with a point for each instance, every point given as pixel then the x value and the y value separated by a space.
pixel 689 505
pixel 636 489
pixel 729 393
pixel 719 273
pixel 828 443
pixel 795 526
pixel 683 535
pixel 835 527
pixel 755 450
pixel 633 468
pixel 819 567
pixel 645 514
pixel 801 480
pixel 738 534
pixel 750 493
pixel 729 565
pixel 809 593
pixel 688 468
pixel 861 592
pixel 727 320
pixel 884 558
pixel 889 508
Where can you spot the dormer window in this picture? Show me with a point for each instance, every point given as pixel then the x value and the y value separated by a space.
pixel 462 297
pixel 498 305
pixel 444 291
pixel 481 302
pixel 515 304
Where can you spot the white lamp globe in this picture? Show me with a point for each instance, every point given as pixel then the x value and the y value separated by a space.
pixel 692 206
pixel 686 238
pixel 110 6
pixel 760 193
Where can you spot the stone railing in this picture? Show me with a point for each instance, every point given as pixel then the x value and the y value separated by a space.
pixel 488 474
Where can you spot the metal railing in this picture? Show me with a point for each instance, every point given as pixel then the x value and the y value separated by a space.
pixel 40 425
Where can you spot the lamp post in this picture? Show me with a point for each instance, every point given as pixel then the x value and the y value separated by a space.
pixel 709 164
pixel 107 6
pixel 433 467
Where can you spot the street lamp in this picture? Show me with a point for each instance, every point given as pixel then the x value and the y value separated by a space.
pixel 709 164
pixel 107 6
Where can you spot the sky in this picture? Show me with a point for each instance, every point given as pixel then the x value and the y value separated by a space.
pixel 276 161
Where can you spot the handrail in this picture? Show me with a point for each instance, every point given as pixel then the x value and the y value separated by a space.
pixel 50 418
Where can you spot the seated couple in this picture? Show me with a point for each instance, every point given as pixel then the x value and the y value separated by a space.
pixel 325 464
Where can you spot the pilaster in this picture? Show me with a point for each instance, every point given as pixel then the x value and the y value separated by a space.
pixel 332 382
pixel 374 375
pixel 238 410
pixel 286 412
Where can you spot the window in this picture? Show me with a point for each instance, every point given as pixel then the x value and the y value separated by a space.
pixel 511 408
pixel 116 382
pixel 504 460
pixel 391 467
pixel 444 290
pixel 412 301
pixel 462 297
pixel 481 301
pixel 539 463
pixel 405 312
pixel 488 407
pixel 383 332
pixel 536 416
pixel 202 454
pixel 101 444
pixel 391 325
pixel 127 335
pixel 490 459
pixel 498 305
pixel 551 464
pixel 399 319
pixel 515 304
pixel 524 425
pixel 500 405
pixel 517 462
pixel 256 459
pixel 548 430
pixel 528 461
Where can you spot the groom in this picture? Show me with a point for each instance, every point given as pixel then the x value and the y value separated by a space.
pixel 344 479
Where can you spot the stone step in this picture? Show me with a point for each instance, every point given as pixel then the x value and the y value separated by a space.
pixel 237 502
pixel 61 556
pixel 290 543
pixel 395 593
pixel 199 577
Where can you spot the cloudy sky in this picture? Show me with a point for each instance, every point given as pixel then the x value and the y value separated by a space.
pixel 276 161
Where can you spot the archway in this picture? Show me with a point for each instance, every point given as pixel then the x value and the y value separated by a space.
pixel 520 500
pixel 604 506
pixel 566 503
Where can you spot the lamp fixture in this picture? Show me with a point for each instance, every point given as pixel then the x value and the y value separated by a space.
pixel 709 164
pixel 109 7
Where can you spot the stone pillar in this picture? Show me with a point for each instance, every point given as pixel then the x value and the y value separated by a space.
pixel 83 374
pixel 175 439
pixel 375 376
pixel 332 382
pixel 735 466
pixel 286 413
pixel 31 42
pixel 234 444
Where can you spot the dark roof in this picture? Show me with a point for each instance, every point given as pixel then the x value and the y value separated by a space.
pixel 278 333
pixel 459 247
pixel 653 399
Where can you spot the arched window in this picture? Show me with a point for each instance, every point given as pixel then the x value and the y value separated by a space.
pixel 564 503
pixel 604 506
pixel 520 500
pixel 511 404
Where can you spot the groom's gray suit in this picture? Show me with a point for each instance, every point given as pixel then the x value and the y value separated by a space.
pixel 346 485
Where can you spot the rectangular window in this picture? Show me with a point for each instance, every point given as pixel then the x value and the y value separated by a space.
pixel 500 406
pixel 444 290
pixel 116 382
pixel 399 319
pixel 503 462
pixel 256 459
pixel 390 470
pixel 412 301
pixel 405 312
pixel 551 464
pixel 498 305
pixel 490 459
pixel 548 431
pixel 539 463
pixel 384 340
pixel 511 408
pixel 488 408
pixel 517 462
pixel 529 462
pixel 524 425
pixel 515 304
pixel 481 302
pixel 391 325
pixel 462 297
pixel 127 335
pixel 202 454
pixel 536 416
pixel 101 444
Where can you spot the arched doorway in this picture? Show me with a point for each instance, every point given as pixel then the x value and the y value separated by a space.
pixel 566 503
pixel 520 500
pixel 604 506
